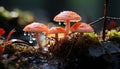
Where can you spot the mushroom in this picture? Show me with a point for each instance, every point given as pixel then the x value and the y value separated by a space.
pixel 57 31
pixel 35 28
pixel 67 17
pixel 81 27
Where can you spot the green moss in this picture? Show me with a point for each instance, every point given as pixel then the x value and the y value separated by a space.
pixel 113 36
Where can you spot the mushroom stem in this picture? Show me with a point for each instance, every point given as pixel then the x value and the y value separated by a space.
pixel 38 39
pixel 56 36
pixel 67 26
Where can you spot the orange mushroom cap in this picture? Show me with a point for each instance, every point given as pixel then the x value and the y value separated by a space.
pixel 36 27
pixel 55 30
pixel 81 27
pixel 67 15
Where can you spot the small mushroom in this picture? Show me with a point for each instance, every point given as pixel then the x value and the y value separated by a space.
pixel 34 29
pixel 57 31
pixel 67 17
pixel 81 27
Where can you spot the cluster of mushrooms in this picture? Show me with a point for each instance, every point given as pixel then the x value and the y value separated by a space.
pixel 34 29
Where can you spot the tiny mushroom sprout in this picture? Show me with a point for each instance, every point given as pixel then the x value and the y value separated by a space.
pixel 57 31
pixel 34 29
pixel 67 17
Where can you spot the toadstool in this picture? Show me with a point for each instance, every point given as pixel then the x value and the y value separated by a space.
pixel 81 27
pixel 67 17
pixel 36 28
pixel 57 31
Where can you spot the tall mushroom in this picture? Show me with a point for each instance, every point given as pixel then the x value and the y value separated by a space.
pixel 36 28
pixel 67 17
pixel 56 31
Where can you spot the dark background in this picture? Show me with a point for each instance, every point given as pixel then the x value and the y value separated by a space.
pixel 45 10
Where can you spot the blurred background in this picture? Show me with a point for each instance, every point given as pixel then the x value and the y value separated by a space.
pixel 16 13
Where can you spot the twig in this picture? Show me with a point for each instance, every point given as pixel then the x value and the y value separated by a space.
pixel 98 20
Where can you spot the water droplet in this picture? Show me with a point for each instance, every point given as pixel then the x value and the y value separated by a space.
pixel 48 45
pixel 32 34
pixel 25 33
pixel 52 41
pixel 30 41
pixel 76 33
pixel 28 34
pixel 59 23
pixel 33 38
pixel 30 37
pixel 45 48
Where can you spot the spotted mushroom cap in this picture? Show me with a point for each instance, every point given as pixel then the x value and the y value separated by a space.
pixel 36 27
pixel 67 15
pixel 81 27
